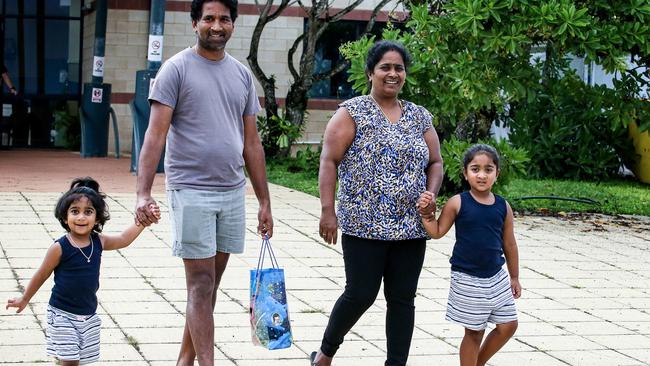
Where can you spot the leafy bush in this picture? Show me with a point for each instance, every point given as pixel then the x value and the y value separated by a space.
pixel 306 161
pixel 569 133
pixel 69 125
pixel 277 135
pixel 472 65
pixel 513 164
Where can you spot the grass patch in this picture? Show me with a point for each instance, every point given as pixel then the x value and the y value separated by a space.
pixel 279 172
pixel 617 197
pixel 614 197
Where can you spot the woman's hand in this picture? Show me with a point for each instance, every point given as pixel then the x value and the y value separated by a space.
pixel 328 227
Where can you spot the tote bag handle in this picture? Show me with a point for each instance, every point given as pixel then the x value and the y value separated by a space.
pixel 266 247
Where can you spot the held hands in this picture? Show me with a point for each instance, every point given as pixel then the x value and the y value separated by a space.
pixel 147 211
pixel 155 210
pixel 516 287
pixel 17 302
pixel 426 205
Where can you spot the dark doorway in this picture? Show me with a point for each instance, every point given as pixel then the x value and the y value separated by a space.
pixel 41 49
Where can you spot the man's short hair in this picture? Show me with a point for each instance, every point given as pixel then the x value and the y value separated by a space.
pixel 196 11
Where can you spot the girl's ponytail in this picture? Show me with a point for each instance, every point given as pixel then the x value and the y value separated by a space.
pixel 85 182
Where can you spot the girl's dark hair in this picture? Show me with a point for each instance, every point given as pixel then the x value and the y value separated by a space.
pixel 481 149
pixel 83 187
pixel 196 10
pixel 377 51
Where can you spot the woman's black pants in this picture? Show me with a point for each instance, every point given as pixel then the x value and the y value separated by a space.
pixel 367 261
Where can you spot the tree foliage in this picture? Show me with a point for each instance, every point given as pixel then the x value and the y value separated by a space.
pixel 473 59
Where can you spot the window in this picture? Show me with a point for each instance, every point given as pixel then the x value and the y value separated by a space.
pixel 41 46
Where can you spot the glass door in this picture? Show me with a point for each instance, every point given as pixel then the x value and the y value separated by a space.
pixel 41 50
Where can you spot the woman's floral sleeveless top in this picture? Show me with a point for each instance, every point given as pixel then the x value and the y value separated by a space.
pixel 383 172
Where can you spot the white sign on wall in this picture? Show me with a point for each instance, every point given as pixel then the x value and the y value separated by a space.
pixel 97 94
pixel 155 48
pixel 98 66
pixel 6 110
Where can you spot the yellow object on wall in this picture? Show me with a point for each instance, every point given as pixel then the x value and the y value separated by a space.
pixel 642 148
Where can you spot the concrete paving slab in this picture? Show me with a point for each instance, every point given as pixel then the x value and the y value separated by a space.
pixel 586 298
pixel 596 358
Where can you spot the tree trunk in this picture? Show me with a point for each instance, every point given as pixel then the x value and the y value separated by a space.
pixel 296 104
pixel 271 131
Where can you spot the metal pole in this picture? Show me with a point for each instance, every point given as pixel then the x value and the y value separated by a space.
pixel 100 42
pixel 156 31
pixel 143 79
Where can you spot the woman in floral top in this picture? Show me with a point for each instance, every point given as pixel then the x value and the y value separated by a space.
pixel 387 153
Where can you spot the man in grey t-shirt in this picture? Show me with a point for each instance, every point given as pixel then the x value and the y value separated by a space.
pixel 203 102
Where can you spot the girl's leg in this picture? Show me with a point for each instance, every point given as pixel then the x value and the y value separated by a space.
pixel 364 266
pixel 403 267
pixel 69 363
pixel 469 347
pixel 495 340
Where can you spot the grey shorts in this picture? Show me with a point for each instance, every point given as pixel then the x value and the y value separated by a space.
pixel 474 302
pixel 72 337
pixel 207 222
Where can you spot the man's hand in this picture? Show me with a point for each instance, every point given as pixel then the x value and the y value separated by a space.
pixel 146 211
pixel 265 221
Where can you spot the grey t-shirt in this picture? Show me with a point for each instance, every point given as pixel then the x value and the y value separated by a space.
pixel 205 143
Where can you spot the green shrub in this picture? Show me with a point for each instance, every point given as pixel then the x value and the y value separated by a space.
pixel 569 133
pixel 513 164
pixel 306 161
pixel 277 135
pixel 69 126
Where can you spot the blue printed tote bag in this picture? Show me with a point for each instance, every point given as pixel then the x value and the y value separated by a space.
pixel 269 313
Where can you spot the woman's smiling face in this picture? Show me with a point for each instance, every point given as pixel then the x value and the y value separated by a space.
pixel 389 74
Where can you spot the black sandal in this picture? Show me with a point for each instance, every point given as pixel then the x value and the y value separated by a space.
pixel 312 358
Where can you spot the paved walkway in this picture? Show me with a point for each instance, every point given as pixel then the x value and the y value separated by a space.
pixel 586 282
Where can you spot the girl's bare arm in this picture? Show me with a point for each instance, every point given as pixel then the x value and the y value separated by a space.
pixel 437 228
pixel 126 237
pixel 511 252
pixel 51 260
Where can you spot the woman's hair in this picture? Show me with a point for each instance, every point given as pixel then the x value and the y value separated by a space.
pixel 377 51
pixel 196 9
pixel 479 149
pixel 83 187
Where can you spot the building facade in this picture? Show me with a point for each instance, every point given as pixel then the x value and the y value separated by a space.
pixel 64 30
